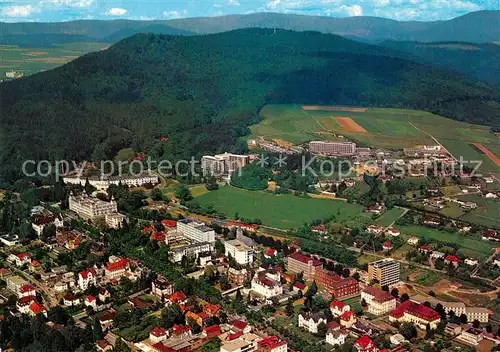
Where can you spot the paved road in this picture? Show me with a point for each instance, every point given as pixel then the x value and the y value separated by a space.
pixel 49 298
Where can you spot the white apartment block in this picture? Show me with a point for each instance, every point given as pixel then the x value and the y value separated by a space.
pixel 104 182
pixel 223 164
pixel 91 208
pixel 195 230
pixel 242 253
pixel 87 278
pixel 332 148
pixel 14 284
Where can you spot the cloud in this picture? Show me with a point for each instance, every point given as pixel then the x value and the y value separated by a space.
pixel 354 10
pixel 69 3
pixel 19 11
pixel 175 14
pixel 426 10
pixel 233 3
pixel 116 11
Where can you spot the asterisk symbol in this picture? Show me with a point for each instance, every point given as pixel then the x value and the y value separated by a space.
pixel 280 161
pixel 262 160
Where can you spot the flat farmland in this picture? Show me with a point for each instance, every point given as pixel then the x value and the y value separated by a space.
pixel 379 128
pixel 389 216
pixel 486 214
pixel 280 211
pixel 471 245
pixel 33 60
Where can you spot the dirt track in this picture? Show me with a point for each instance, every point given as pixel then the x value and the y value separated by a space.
pixel 488 153
pixel 349 125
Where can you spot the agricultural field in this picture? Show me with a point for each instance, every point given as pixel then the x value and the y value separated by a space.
pixel 279 211
pixel 33 60
pixel 486 213
pixel 471 245
pixel 378 128
pixel 389 216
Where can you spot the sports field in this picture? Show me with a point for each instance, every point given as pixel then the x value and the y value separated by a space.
pixel 280 211
pixel 377 128
pixel 33 60
pixel 470 245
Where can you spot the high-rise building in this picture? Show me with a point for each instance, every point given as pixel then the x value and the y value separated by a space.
pixel 385 271
pixel 332 148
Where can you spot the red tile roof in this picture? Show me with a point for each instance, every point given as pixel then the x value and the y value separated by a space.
pixel 169 223
pixel 378 294
pixel 159 236
pixel 23 301
pixel 162 348
pixel 304 258
pixel 26 288
pixel 346 316
pixel 300 285
pixel 118 265
pixel 177 297
pixel 416 309
pixel 365 343
pixel 90 298
pixel 235 335
pixel 103 344
pixel 338 305
pixel 24 256
pixel 242 225
pixel 387 244
pixel 212 331
pixel 271 342
pixel 86 272
pixel 452 258
pixel 158 332
pixel 37 308
pixel 270 252
pixel 240 324
pixel 148 229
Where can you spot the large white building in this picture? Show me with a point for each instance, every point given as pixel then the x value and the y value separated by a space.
pixel 91 208
pixel 265 286
pixel 195 230
pixel 87 278
pixel 104 182
pixel 192 250
pixel 223 164
pixel 242 253
pixel 332 148
pixel 310 321
pixel 115 220
pixel 379 302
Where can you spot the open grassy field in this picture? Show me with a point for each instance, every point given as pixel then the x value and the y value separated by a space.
pixel 486 214
pixel 280 211
pixel 33 60
pixel 380 128
pixel 389 216
pixel 470 245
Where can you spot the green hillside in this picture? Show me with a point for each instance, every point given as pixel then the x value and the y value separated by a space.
pixel 479 60
pixel 204 91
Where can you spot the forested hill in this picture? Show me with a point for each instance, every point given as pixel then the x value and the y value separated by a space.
pixel 203 91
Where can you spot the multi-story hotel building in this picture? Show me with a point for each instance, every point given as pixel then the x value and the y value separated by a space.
pixel 266 286
pixel 301 263
pixel 223 164
pixel 195 230
pixel 332 148
pixel 189 250
pixel 103 183
pixel 379 302
pixel 385 271
pixel 91 208
pixel 242 253
pixel 335 285
pixel 117 269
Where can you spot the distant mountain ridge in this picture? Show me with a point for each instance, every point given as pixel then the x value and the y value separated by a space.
pixel 477 27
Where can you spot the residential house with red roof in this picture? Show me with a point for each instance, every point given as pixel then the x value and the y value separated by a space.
pixel 240 325
pixel 37 308
pixel 177 297
pixel 157 335
pixel 116 269
pixel 212 310
pixel 452 259
pixel 23 304
pixel 365 344
pixel 71 300
pixel 301 263
pixel 103 346
pixel 387 246
pixel 23 258
pixel 91 301
pixel 35 266
pixel 338 308
pixel 240 225
pixel 417 314
pixel 272 344
pixel 265 286
pixel 379 302
pixel 26 290
pixel 270 252
pixel 87 278
pixel 347 319
pixel 299 286
pixel 212 331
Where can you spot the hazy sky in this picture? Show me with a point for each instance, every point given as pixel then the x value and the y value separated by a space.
pixel 64 10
